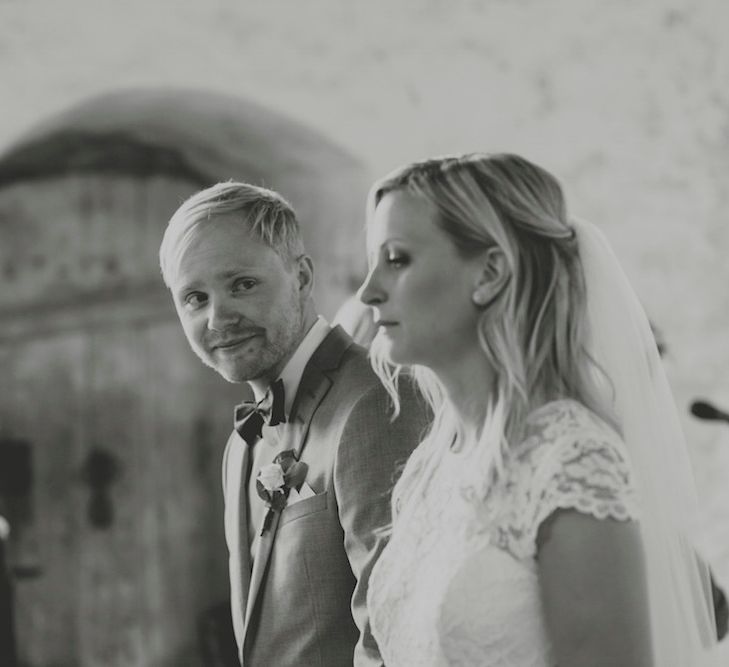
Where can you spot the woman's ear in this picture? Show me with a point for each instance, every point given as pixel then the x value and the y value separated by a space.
pixel 492 276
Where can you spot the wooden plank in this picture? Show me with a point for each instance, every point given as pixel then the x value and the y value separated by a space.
pixel 44 401
pixel 163 562
pixel 186 550
pixel 110 623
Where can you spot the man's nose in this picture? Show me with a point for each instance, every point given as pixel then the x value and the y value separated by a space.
pixel 222 314
pixel 371 292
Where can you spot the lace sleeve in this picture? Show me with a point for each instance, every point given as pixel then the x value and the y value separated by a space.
pixel 573 461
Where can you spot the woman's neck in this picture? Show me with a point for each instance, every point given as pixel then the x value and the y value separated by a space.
pixel 468 382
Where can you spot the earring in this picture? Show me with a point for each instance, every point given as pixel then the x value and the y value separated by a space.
pixel 479 298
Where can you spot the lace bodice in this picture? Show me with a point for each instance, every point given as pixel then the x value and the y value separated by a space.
pixel 457 583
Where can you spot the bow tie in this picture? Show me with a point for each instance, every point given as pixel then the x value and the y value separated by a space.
pixel 251 416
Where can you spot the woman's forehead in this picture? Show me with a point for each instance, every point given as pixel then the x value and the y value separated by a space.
pixel 405 216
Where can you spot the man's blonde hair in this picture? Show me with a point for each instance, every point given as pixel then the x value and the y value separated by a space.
pixel 264 213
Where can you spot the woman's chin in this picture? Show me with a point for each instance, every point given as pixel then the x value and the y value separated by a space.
pixel 396 354
pixel 386 348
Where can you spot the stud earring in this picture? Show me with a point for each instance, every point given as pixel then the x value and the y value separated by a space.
pixel 479 298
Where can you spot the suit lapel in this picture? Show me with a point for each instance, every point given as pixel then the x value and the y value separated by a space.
pixel 312 390
pixel 263 553
pixel 236 464
pixel 314 385
pixel 244 541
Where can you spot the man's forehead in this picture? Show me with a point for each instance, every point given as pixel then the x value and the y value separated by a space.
pixel 218 257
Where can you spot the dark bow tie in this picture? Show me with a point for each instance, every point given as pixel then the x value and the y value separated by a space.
pixel 251 416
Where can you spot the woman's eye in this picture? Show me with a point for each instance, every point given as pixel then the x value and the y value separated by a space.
pixel 397 260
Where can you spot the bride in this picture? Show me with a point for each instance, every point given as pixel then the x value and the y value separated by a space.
pixel 542 520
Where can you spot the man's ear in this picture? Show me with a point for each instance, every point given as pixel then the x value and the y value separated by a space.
pixel 492 276
pixel 305 272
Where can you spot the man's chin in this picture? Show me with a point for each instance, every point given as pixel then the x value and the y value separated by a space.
pixel 230 372
pixel 234 379
pixel 236 375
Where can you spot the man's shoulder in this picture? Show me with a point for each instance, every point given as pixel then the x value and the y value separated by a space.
pixel 355 362
pixel 343 361
pixel 352 380
pixel 356 386
pixel 365 396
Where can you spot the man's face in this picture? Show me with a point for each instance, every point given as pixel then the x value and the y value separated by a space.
pixel 241 308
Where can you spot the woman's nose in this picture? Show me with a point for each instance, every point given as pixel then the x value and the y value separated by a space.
pixel 222 314
pixel 371 292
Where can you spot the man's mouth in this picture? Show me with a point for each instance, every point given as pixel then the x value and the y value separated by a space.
pixel 233 343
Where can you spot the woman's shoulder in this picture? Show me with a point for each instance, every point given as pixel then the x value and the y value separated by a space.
pixel 570 459
pixel 565 423
pixel 567 412
pixel 568 445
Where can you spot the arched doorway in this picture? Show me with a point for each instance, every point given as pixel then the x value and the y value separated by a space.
pixel 121 526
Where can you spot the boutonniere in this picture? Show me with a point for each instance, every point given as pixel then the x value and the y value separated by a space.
pixel 275 481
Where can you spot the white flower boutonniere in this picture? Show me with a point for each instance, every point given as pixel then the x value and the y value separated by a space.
pixel 275 480
pixel 271 477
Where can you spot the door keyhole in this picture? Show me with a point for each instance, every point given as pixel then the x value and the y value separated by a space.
pixel 100 469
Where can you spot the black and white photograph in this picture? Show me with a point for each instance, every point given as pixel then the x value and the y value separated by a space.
pixel 343 334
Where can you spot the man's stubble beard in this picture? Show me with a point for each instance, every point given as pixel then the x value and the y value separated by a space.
pixel 272 352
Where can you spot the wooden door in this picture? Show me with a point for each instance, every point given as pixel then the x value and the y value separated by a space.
pixel 129 594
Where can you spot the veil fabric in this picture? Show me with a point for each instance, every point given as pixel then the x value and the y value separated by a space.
pixel 634 385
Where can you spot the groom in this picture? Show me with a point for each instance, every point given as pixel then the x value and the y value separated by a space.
pixel 309 467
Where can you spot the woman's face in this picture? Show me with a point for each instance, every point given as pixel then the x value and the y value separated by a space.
pixel 418 285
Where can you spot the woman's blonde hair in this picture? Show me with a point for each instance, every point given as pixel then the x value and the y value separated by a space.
pixel 533 332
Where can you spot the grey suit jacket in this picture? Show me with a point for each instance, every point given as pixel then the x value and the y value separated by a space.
pixel 304 603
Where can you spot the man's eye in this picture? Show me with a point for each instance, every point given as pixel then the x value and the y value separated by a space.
pixel 244 284
pixel 195 299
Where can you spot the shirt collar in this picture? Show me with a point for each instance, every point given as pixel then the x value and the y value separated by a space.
pixel 294 368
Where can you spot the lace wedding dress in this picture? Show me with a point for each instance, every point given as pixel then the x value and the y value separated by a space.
pixel 457 583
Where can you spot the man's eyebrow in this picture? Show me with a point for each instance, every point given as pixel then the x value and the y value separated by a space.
pixel 232 273
pixel 221 275
pixel 187 287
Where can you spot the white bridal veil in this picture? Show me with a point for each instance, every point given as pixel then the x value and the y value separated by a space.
pixel 622 343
